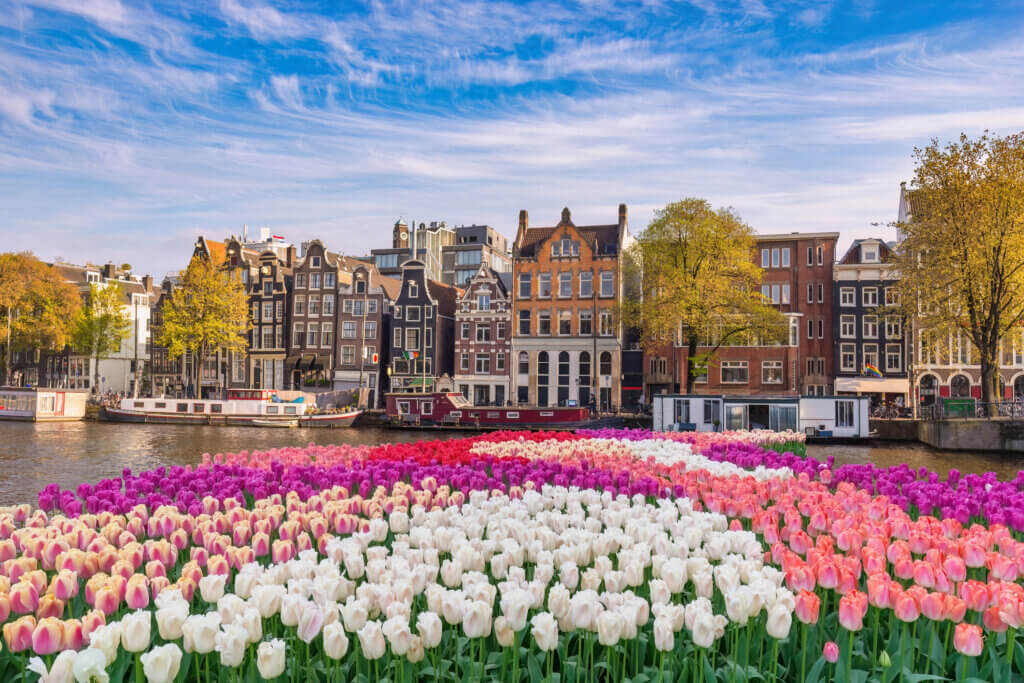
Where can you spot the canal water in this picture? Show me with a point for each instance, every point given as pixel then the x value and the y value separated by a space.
pixel 70 453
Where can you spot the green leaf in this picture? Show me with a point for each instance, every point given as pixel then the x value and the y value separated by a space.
pixel 535 671
pixel 815 673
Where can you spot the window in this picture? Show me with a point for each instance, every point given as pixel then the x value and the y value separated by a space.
pixel 734 372
pixel 468 258
pixel 821 293
pixel 371 307
pixel 412 339
pixel 586 323
pixel 605 363
pixel 848 326
pixel 785 257
pixel 329 305
pixel 330 280
pixel 370 330
pixel 606 323
pixel 348 329
pixel 543 322
pixel 428 340
pixel 892 297
pixel 776 293
pixel 810 293
pixel 268 310
pixel 483 302
pixel 771 372
pixel 346 306
pixel 870 296
pixel 414 289
pixel 314 280
pixel 300 280
pixel 821 256
pixel 524 285
pixel 607 283
pixel 844 413
pixel 357 306
pixel 564 285
pixel 368 352
pixel 766 292
pixel 348 355
pixel 810 256
pixel 387 260
pixel 775 258
pixel 300 305
pixel 268 337
pixel 764 258
pixel 847 296
pixel 464 331
pixel 396 340
pixel 794 331
pixel 810 329
pixel 499 362
pixel 870 327
pixel 524 323
pixel 279 309
pixel 398 312
pixel 278 337
pixel 821 328
pixel 313 335
pixel 586 284
pixel 500 330
pixel 360 286
pixel 314 304
pixel 785 292
pixel 564 323
pixel 848 357
pixel 464 361
pixel 524 363
pixel 483 332
pixel 412 314
pixel 893 358
pixel 237 367
pixel 871 355
pixel 268 288
pixel 893 327
pixel 299 334
pixel 483 363
pixel 544 285
pixel 316 261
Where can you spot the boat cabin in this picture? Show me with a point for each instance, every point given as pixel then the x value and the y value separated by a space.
pixel 42 404
pixel 453 409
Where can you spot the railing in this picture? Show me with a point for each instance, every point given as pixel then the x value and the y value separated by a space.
pixel 969 408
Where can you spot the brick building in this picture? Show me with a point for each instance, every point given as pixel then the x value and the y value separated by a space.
pixel 483 338
pixel 313 307
pixel 567 342
pixel 269 287
pixel 797 279
pixel 364 330
pixel 422 328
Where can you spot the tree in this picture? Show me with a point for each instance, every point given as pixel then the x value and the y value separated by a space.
pixel 36 304
pixel 961 262
pixel 209 310
pixel 102 324
pixel 700 284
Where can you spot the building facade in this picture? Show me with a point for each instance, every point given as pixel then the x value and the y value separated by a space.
pixel 483 338
pixel 797 279
pixel 314 317
pixel 428 241
pixel 269 287
pixel 475 245
pixel 567 283
pixel 866 335
pixel 364 330
pixel 422 327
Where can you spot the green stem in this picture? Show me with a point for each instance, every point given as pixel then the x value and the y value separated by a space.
pixel 903 649
pixel 803 653
pixel 139 678
pixel 550 658
pixel 661 669
pixel 849 658
pixel 874 639
pixel 1011 638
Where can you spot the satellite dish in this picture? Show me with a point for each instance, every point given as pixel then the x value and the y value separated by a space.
pixel 404 235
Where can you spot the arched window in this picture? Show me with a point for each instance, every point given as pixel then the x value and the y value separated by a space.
pixel 606 363
pixel 929 388
pixel 563 378
pixel 960 387
pixel 524 363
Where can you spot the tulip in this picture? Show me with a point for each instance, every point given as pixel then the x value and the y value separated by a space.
pixel 429 627
pixel 609 628
pixel 371 640
pixel 779 621
pixel 49 606
pixel 808 605
pixel 335 641
pixel 171 618
pixel 830 652
pixel 230 643
pixel 161 664
pixel 968 639
pixel 200 632
pixel 311 620
pixel 24 598
pixel 270 658
pixel 64 585
pixel 211 587
pixel 61 671
pixel 107 600
pixel 47 636
pixel 136 594
pixel 18 633
pixel 136 628
pixel 852 608
pixel 544 630
pixel 91 665
pixel 73 635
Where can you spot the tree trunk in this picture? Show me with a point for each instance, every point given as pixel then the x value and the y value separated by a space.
pixel 989 382
pixel 96 372
pixel 691 351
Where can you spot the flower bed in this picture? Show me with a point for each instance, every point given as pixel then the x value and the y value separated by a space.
pixel 506 556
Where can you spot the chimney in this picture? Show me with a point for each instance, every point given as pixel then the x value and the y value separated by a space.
pixel 147 282
pixel 109 271
pixel 245 233
pixel 524 220
pixel 622 215
pixel 289 257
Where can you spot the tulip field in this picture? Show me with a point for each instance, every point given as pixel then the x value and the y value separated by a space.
pixel 606 555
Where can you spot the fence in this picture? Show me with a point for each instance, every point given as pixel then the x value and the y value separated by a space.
pixel 946 409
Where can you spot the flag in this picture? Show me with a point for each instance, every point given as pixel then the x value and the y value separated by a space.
pixel 277 237
pixel 870 369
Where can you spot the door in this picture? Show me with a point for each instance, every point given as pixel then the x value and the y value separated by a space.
pixel 499 395
pixel 736 417
pixel 481 394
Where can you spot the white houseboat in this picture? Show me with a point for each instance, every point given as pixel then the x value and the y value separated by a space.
pixel 42 404
pixel 819 417
pixel 242 407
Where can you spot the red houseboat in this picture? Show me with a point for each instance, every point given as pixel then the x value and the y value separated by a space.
pixel 452 410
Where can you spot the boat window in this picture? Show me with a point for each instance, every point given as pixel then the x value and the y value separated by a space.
pixel 512 415
pixel 216 408
pixel 403 407
pixel 198 408
pixel 426 407
pixel 160 404
pixel 547 413
pixel 182 407
pixel 289 410
pixel 139 404
pixel 271 410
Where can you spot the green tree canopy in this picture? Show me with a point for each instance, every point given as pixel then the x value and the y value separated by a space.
pixel 701 286
pixel 209 310
pixel 102 324
pixel 961 262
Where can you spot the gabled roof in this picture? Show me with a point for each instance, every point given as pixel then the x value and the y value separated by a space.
pixel 216 250
pixel 603 239
pixel 486 272
pixel 445 295
pixel 852 255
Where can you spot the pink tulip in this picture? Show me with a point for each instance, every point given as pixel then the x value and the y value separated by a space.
pixel 808 606
pixel 968 639
pixel 18 633
pixel 49 606
pixel 830 652
pixel 47 636
pixel 74 635
pixel 136 593
pixel 852 608
pixel 24 598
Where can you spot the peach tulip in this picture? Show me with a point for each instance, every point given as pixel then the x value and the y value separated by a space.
pixel 74 635
pixel 107 600
pixel 24 598
pixel 968 639
pixel 47 636
pixel 136 593
pixel 49 606
pixel 91 621
pixel 18 633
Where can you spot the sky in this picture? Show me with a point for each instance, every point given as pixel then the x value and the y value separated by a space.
pixel 127 129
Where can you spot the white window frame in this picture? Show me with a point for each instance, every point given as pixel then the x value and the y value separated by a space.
pixel 847 327
pixel 894 351
pixel 847 296
pixel 869 327
pixel 734 365
pixel 771 365
pixel 871 300
pixel 851 350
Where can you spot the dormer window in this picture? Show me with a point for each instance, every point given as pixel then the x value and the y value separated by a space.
pixel 315 262
pixel 360 286
pixel 92 277
pixel 869 253
pixel 414 290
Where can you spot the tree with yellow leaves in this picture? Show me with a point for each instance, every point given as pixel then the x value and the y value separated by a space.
pixel 700 284
pixel 207 311
pixel 961 261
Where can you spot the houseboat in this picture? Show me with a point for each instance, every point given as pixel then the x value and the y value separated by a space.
pixel 242 407
pixel 451 410
pixel 819 417
pixel 31 404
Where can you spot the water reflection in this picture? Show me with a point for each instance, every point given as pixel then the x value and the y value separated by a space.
pixel 33 455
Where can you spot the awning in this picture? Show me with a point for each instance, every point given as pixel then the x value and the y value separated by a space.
pixel 873 385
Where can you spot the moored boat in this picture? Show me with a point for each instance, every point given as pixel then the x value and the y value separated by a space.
pixel 242 407
pixel 451 410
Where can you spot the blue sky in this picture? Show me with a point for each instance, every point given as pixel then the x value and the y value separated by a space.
pixel 126 129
